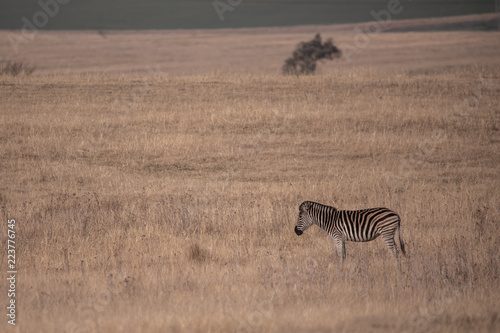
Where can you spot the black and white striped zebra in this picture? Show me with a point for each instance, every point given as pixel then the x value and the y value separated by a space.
pixel 351 225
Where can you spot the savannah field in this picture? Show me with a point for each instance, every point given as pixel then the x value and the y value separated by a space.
pixel 156 198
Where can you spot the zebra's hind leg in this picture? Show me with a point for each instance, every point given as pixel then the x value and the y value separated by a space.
pixel 388 238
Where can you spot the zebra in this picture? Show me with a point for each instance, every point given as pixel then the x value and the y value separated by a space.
pixel 351 225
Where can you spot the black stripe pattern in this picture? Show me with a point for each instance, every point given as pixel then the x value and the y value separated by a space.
pixel 352 225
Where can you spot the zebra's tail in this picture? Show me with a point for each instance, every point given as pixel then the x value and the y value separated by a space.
pixel 401 244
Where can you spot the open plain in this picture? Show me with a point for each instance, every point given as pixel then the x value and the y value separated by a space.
pixel 162 198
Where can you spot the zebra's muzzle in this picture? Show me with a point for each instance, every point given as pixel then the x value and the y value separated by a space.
pixel 297 231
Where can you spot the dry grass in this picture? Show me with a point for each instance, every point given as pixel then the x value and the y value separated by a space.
pixel 252 51
pixel 150 204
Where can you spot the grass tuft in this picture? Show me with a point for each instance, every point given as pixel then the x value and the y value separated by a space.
pixel 15 68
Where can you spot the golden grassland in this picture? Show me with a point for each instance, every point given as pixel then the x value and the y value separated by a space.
pixel 251 51
pixel 157 204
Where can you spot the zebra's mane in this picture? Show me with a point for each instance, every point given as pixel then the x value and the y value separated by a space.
pixel 317 207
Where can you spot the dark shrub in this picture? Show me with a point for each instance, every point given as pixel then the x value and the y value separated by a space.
pixel 305 56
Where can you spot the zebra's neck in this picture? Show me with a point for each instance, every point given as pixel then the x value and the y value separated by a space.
pixel 323 215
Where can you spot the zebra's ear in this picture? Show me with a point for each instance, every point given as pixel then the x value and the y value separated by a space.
pixel 304 207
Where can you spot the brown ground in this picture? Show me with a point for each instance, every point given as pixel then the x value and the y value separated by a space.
pixel 152 203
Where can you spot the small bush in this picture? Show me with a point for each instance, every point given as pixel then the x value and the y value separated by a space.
pixel 305 56
pixel 15 68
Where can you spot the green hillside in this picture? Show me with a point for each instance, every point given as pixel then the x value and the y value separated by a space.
pixel 192 14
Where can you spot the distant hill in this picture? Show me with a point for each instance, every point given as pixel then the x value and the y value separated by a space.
pixel 210 14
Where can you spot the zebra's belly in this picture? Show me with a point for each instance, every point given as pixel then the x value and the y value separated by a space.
pixel 353 238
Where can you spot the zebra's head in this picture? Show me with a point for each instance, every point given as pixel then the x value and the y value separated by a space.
pixel 305 220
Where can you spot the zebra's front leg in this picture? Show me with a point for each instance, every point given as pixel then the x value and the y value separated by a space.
pixel 340 245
